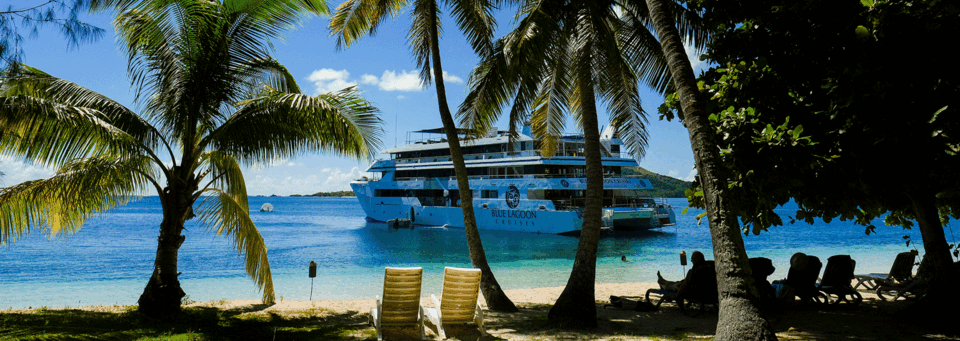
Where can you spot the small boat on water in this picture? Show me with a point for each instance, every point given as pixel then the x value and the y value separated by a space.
pixel 399 223
pixel 515 191
pixel 266 208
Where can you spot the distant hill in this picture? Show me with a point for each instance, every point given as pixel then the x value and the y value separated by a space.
pixel 663 186
pixel 329 194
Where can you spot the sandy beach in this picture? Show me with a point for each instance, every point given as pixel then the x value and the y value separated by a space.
pixel 874 319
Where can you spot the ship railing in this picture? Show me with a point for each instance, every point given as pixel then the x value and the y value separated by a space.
pixel 512 176
pixel 494 156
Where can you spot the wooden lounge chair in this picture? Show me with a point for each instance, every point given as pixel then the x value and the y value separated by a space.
pixel 400 305
pixel 458 303
pixel 901 271
pixel 837 277
pixel 900 281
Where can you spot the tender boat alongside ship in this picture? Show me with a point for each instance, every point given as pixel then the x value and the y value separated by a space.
pixel 518 191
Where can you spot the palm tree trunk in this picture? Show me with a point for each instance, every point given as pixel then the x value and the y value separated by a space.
pixel 576 307
pixel 496 299
pixel 740 317
pixel 162 296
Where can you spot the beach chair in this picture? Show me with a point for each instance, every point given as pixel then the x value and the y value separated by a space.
pixel 802 280
pixel 400 305
pixel 900 280
pixel 698 289
pixel 901 271
pixel 459 301
pixel 837 278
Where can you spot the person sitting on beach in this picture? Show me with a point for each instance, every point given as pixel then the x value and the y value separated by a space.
pixel 695 258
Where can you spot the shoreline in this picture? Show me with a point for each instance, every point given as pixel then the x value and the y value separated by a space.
pixel 544 295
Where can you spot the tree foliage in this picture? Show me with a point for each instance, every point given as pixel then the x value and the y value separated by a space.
pixel 28 17
pixel 212 100
pixel 561 59
pixel 844 107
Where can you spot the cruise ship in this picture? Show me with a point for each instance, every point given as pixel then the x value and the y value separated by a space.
pixel 515 191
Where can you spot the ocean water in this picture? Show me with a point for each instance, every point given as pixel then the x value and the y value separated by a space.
pixel 111 258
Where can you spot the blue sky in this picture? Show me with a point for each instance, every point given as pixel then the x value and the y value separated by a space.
pixel 382 65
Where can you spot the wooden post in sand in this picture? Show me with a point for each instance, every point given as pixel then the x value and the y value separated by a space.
pixel 312 274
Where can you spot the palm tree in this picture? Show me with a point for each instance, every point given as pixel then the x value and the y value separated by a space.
pixel 213 100
pixel 354 18
pixel 740 317
pixel 562 57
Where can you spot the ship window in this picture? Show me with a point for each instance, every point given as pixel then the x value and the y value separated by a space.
pixel 486 194
pixel 614 148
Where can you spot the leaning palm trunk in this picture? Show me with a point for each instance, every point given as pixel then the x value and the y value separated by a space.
pixel 496 299
pixel 163 294
pixel 576 306
pixel 740 317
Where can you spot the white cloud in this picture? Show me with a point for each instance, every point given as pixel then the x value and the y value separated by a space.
pixel 450 78
pixel 16 171
pixel 402 81
pixel 694 56
pixel 324 180
pixel 329 80
pixel 674 174
pixel 400 97
pixel 369 79
pixel 691 175
pixel 405 81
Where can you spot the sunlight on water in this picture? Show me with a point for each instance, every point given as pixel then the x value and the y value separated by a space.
pixel 110 260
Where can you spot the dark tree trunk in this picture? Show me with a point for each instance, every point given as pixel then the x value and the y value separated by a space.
pixel 496 299
pixel 941 286
pixel 576 307
pixel 162 296
pixel 740 317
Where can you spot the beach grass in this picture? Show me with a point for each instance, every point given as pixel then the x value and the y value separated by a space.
pixel 194 323
pixel 874 319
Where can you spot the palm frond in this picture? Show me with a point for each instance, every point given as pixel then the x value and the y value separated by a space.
pixel 475 19
pixel 642 50
pixel 426 20
pixel 229 217
pixel 25 85
pixel 59 205
pixel 354 18
pixel 491 84
pixel 225 174
pixel 53 134
pixel 270 73
pixel 154 67
pixel 279 126
pixel 555 94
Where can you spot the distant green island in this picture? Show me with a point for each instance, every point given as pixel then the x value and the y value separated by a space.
pixel 663 186
pixel 328 194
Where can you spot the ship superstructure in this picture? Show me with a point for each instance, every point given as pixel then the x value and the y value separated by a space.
pixel 520 190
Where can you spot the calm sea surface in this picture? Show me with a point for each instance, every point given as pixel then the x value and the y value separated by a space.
pixel 111 258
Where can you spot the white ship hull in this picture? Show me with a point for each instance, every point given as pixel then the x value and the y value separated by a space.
pixel 528 215
pixel 518 190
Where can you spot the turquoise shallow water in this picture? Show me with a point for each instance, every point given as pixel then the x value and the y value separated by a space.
pixel 110 259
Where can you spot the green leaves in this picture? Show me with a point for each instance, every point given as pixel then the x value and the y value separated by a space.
pixel 209 90
pixel 229 216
